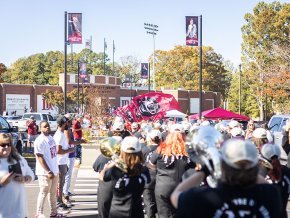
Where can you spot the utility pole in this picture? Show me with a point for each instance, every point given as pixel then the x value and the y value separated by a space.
pixel 114 58
pixel 65 60
pixel 240 88
pixel 152 29
pixel 105 47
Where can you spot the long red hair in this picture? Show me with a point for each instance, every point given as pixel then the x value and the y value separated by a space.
pixel 276 173
pixel 173 145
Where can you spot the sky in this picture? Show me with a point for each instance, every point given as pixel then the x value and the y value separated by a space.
pixel 33 26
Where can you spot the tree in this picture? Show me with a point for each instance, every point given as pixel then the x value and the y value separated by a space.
pixel 266 28
pixel 179 68
pixel 129 66
pixel 3 69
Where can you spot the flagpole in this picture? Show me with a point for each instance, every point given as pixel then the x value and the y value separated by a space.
pixel 149 77
pixel 65 60
pixel 78 87
pixel 104 56
pixel 113 58
pixel 200 67
pixel 91 44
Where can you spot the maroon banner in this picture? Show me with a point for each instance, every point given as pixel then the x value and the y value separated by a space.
pixel 144 70
pixel 75 28
pixel 154 105
pixel 150 106
pixel 191 30
pixel 83 70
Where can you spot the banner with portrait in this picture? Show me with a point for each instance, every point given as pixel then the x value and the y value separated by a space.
pixel 191 30
pixel 144 70
pixel 83 69
pixel 75 28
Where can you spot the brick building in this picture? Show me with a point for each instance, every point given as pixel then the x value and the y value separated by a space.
pixel 21 98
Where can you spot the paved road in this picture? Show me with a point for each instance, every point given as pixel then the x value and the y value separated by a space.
pixel 84 185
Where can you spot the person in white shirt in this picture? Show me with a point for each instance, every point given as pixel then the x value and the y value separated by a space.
pixel 46 169
pixel 63 150
pixel 14 173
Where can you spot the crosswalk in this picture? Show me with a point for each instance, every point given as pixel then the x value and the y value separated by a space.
pixel 85 190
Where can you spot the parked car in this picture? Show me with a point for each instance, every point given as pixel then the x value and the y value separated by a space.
pixel 277 126
pixel 13 131
pixel 22 124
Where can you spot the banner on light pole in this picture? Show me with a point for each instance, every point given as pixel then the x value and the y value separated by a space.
pixel 83 69
pixel 144 70
pixel 191 30
pixel 75 28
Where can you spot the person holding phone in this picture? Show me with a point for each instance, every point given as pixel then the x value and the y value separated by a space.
pixel 14 172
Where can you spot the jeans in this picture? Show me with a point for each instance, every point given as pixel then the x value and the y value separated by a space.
pixel 62 172
pixel 68 176
pixel 47 187
pixel 79 152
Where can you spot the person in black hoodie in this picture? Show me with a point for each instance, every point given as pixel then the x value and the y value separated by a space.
pixel 129 184
pixel 278 174
pixel 171 160
pixel 153 140
pixel 105 189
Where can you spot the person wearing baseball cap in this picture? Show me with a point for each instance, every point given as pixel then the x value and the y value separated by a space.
pixel 127 201
pixel 135 130
pixel 259 137
pixel 239 191
pixel 153 139
pixel 277 174
pixel 78 135
pixel 32 130
pixel 63 150
pixel 71 158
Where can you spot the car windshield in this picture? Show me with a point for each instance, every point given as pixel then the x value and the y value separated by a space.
pixel 4 125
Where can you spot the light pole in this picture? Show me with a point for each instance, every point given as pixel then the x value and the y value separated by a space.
pixel 152 29
pixel 105 48
pixel 240 72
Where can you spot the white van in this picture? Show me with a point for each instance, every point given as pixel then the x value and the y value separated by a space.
pixel 277 126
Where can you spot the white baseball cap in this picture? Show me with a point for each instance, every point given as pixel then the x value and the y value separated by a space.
pixel 233 123
pixel 153 133
pixel 260 133
pixel 130 144
pixel 236 131
pixel 118 126
pixel 134 125
pixel 270 150
pixel 235 150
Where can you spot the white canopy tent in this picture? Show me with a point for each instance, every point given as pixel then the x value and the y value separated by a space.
pixel 175 113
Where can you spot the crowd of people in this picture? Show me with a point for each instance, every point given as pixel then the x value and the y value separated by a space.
pixel 173 181
pixel 164 168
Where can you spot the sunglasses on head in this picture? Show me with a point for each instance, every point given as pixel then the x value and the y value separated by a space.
pixel 5 145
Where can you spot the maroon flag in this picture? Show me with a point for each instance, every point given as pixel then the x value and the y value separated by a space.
pixel 154 105
pixel 144 70
pixel 75 28
pixel 118 112
pixel 191 30
pixel 128 115
pixel 88 44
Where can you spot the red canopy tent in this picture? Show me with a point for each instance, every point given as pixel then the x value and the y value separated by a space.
pixel 223 114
